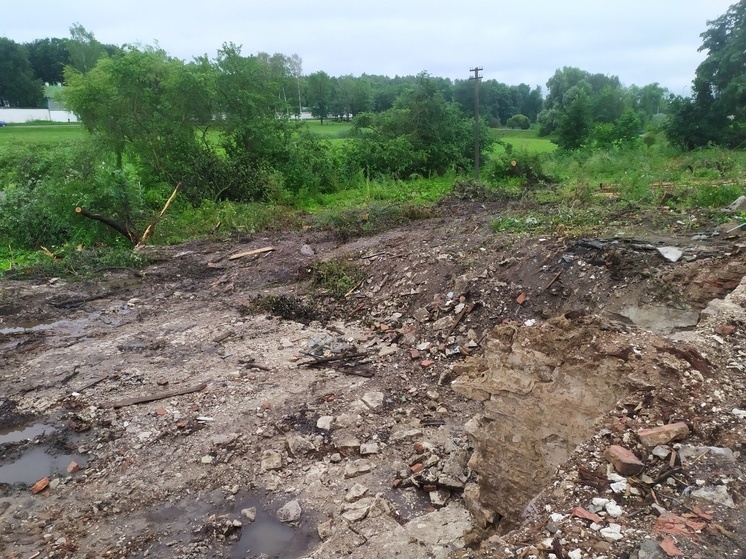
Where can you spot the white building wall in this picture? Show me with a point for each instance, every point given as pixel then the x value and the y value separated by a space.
pixel 29 115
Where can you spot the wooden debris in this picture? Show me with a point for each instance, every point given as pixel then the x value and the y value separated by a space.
pixel 159 396
pixel 322 360
pixel 250 252
pixel 150 228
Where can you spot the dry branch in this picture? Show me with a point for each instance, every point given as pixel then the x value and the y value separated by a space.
pixel 150 228
pixel 250 252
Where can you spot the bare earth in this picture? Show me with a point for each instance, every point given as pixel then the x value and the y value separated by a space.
pixel 460 402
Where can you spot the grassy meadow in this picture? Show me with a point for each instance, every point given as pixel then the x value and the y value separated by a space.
pixel 44 133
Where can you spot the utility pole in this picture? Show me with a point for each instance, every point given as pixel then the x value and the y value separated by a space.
pixel 476 79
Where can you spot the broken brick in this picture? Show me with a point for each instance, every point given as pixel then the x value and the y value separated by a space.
pixel 416 468
pixel 160 411
pixel 725 329
pixel 426 363
pixel 414 354
pixel 521 298
pixel 664 434
pixel 73 467
pixel 40 485
pixel 623 460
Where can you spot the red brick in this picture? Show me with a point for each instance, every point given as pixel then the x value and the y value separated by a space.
pixel 623 460
pixel 664 434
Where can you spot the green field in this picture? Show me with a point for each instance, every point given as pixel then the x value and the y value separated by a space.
pixel 40 133
pixel 524 141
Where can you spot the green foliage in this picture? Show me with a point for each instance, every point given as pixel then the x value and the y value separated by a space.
pixel 716 113
pixel 574 123
pixel 517 168
pixel 18 85
pixel 337 276
pixel 518 121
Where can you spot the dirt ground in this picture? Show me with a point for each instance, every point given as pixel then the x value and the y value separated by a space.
pixel 460 401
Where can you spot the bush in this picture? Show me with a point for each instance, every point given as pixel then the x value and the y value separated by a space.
pixel 518 121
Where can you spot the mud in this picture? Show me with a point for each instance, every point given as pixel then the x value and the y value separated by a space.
pixel 384 454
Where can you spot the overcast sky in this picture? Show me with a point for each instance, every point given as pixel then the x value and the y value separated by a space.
pixel 516 41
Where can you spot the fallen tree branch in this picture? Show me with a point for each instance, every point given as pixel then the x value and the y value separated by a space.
pixel 159 396
pixel 250 252
pixel 118 227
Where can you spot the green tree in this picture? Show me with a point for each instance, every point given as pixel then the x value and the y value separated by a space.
pixel 574 123
pixel 719 87
pixel 18 86
pixel 84 49
pixel 422 133
pixel 518 121
pixel 320 92
pixel 48 58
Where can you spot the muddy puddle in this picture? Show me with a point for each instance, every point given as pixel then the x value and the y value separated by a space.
pixel 24 432
pixel 38 463
pixel 210 522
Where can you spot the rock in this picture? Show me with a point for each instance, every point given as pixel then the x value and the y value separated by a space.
pixel 722 455
pixel 207 459
pixel 373 399
pixel 335 458
pixel 613 509
pixel 421 315
pixel 271 460
pixel 612 533
pixel 439 498
pixel 290 512
pixel 450 482
pixel 659 319
pixel 405 434
pixel 325 422
pixel 368 448
pixel 355 493
pixel 432 395
pixel 623 460
pixel 661 452
pixel 224 439
pixel 649 549
pixel 345 441
pixel 672 254
pixel 575 554
pixel 717 494
pixel 357 468
pixel 740 414
pixel 324 530
pixel 306 250
pixel 357 511
pixel 388 350
pixel 298 445
pixel 739 205
pixel 249 514
pixel 664 434
pixel 482 515
pixel 442 323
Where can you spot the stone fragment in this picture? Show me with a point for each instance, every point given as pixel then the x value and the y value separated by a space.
pixel 223 439
pixel 483 516
pixel 439 498
pixel 373 399
pixel 207 459
pixel 271 460
pixel 335 458
pixel 612 533
pixel 421 315
pixel 368 448
pixel 73 467
pixel 355 493
pixel 290 512
pixel 357 468
pixel 717 494
pixel 405 434
pixel 739 205
pixel 672 254
pixel 298 445
pixel 442 323
pixel 344 440
pixel 623 460
pixel 357 511
pixel 649 549
pixel 324 530
pixel 249 514
pixel 613 509
pixel 664 434
pixel 307 250
pixel 325 422
pixel 432 394
pixel 388 350
pixel 661 452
